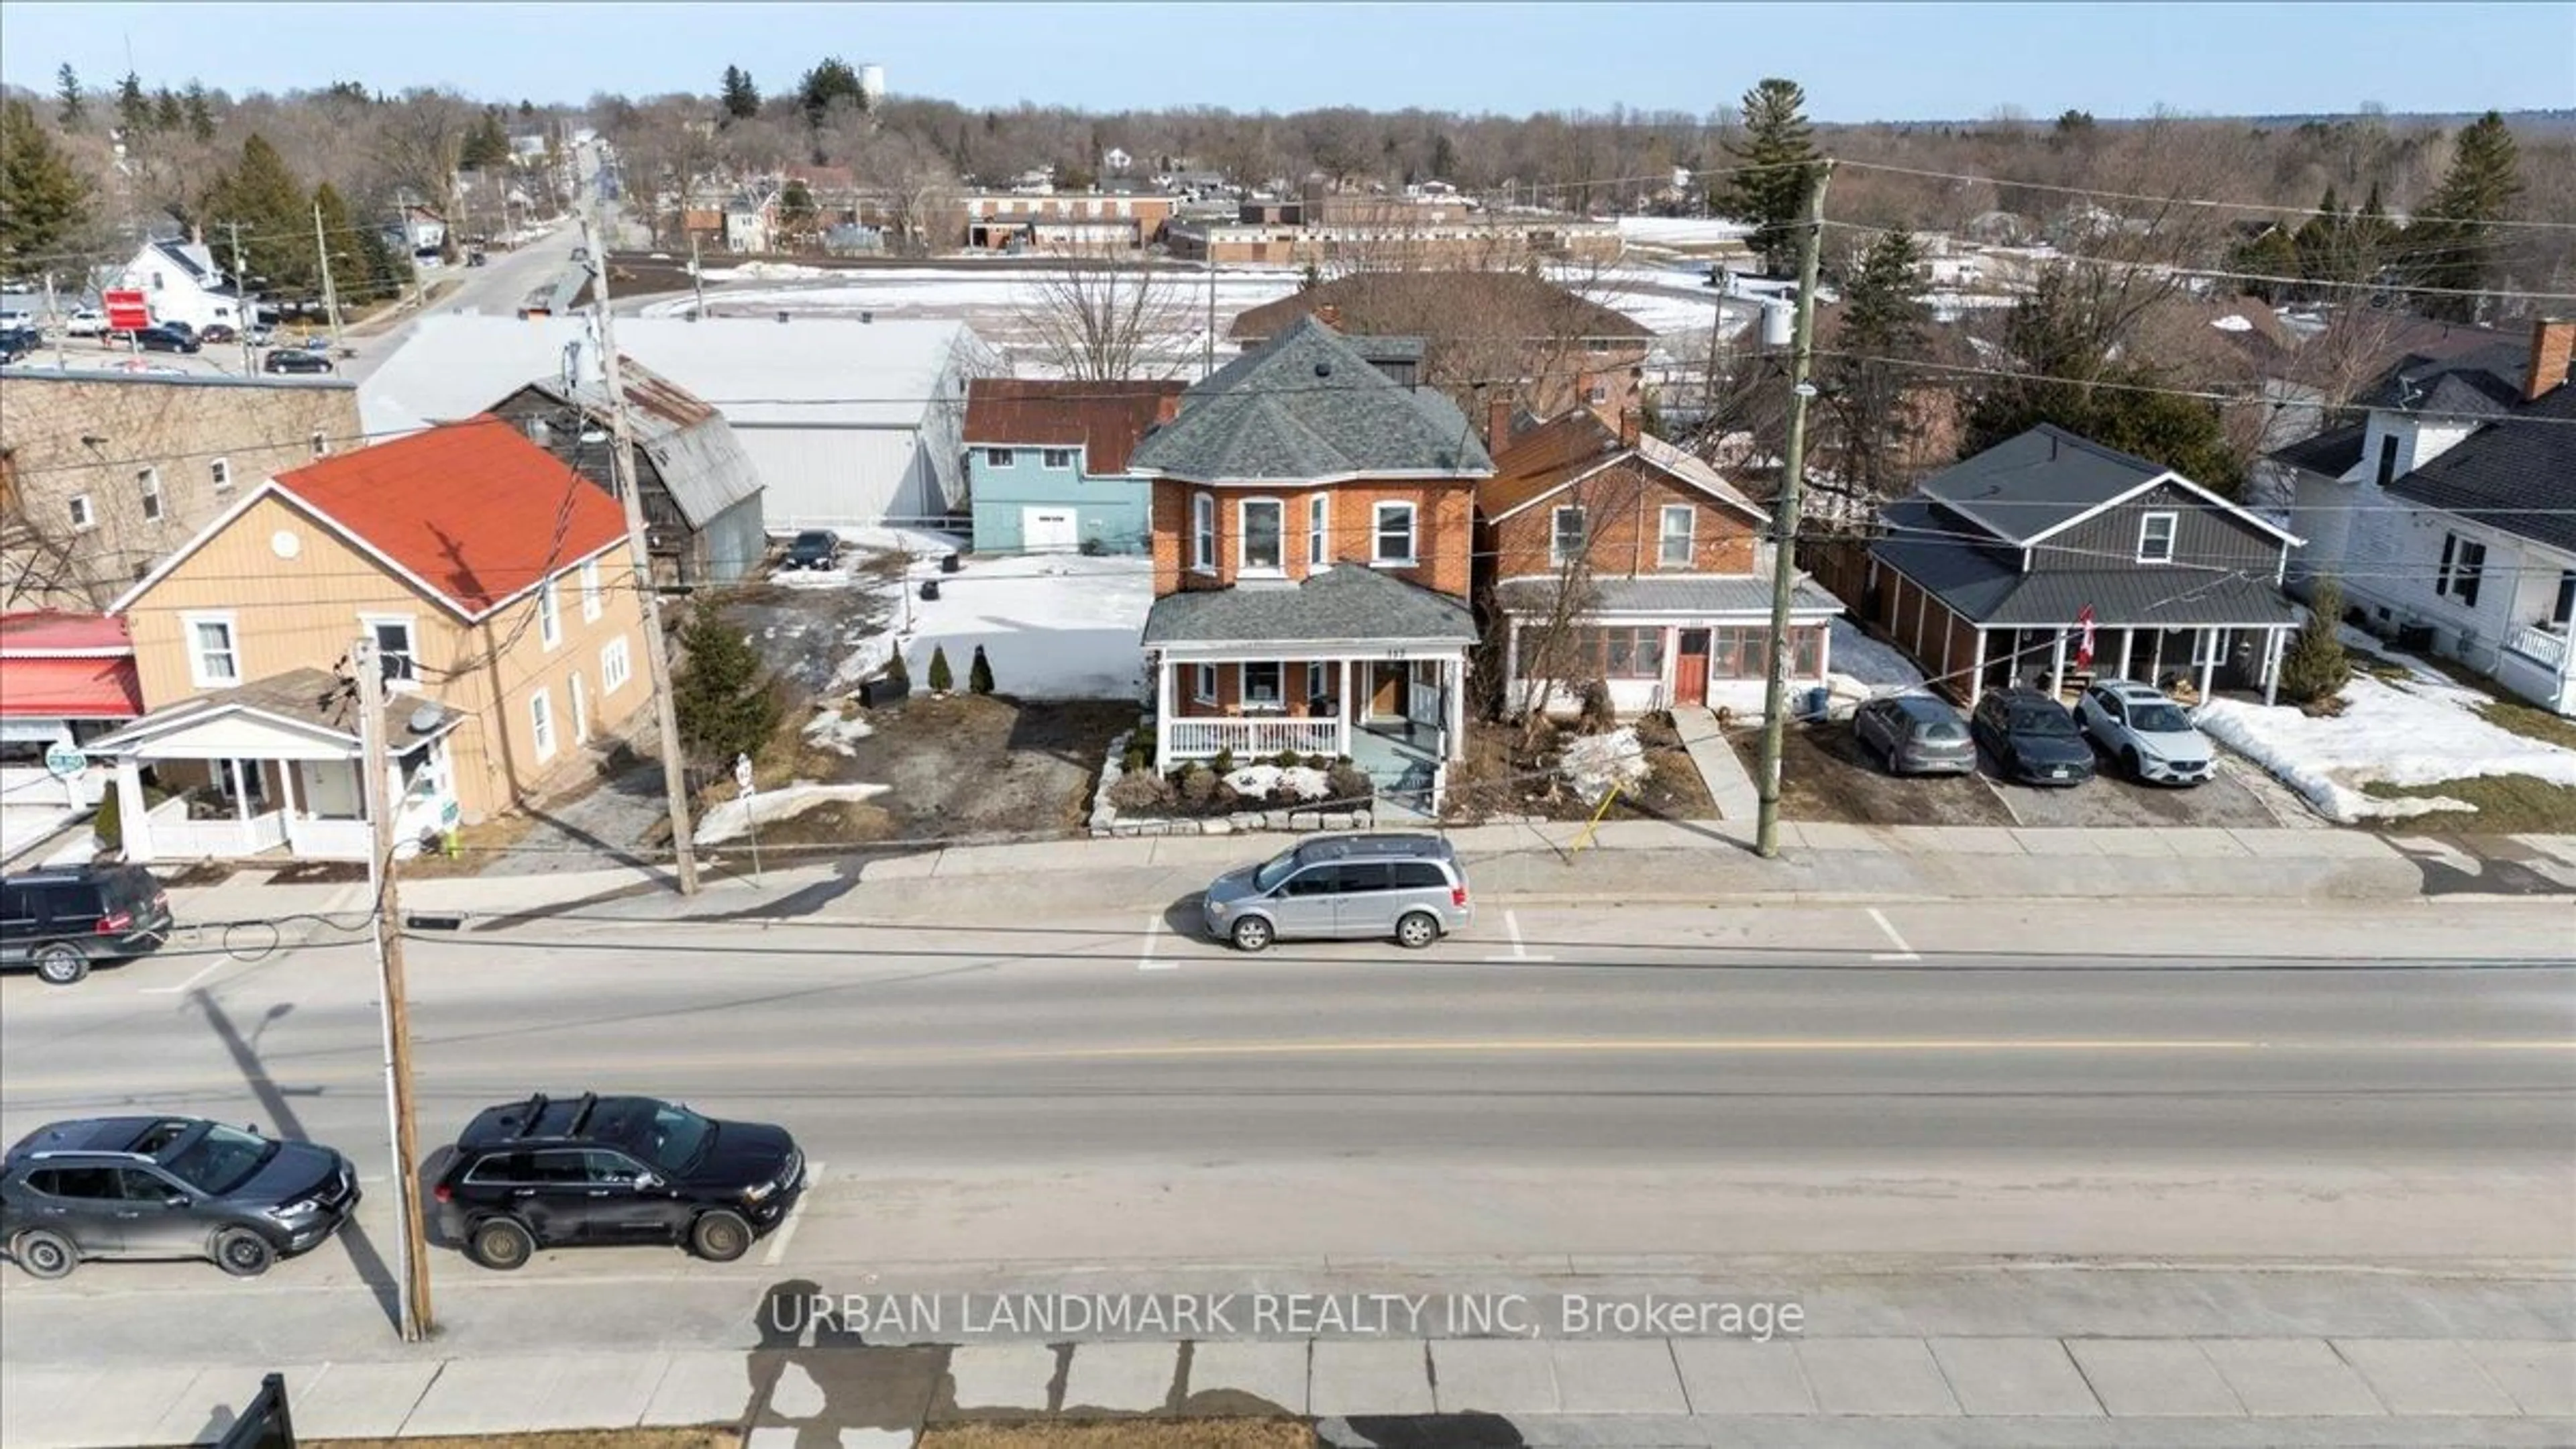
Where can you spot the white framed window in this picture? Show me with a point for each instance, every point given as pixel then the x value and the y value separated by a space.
pixel 394 650
pixel 1203 533
pixel 219 475
pixel 1203 684
pixel 84 517
pixel 1391 538
pixel 214 650
pixel 2464 567
pixel 1566 537
pixel 590 603
pixel 2156 538
pixel 1597 394
pixel 1319 530
pixel 614 667
pixel 1058 458
pixel 1673 541
pixel 1261 528
pixel 997 458
pixel 147 482
pixel 321 444
pixel 541 723
pixel 549 614
pixel 1262 684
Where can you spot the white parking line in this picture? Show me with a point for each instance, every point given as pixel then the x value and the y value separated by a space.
pixel 1902 952
pixel 778 1240
pixel 1145 958
pixel 1520 950
pixel 209 969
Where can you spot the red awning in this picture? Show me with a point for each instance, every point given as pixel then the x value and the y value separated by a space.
pixel 69 689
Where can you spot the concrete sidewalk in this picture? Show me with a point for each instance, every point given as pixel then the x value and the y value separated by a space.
pixel 1591 1391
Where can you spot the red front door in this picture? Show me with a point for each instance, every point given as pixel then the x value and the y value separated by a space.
pixel 1690 668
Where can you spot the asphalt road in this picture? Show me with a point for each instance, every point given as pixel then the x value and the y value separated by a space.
pixel 2370 1086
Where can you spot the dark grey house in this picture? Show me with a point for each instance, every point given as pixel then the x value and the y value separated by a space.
pixel 701 492
pixel 2049 559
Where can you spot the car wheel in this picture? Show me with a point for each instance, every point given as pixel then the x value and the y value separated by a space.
pixel 243 1253
pixel 720 1236
pixel 44 1253
pixel 2129 766
pixel 500 1244
pixel 61 965
pixel 1416 930
pixel 1251 934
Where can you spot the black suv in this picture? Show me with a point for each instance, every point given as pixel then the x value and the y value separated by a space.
pixel 61 921
pixel 572 1171
pixel 168 1187
pixel 294 360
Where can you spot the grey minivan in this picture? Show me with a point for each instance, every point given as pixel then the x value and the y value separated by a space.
pixel 1409 887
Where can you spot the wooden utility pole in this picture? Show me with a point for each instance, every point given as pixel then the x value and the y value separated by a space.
pixel 697 281
pixel 1784 523
pixel 330 294
pixel 246 311
pixel 657 655
pixel 413 1317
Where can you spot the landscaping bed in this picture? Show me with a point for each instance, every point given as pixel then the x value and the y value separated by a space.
pixel 1508 773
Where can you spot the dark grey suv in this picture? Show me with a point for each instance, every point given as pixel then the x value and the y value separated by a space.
pixel 61 921
pixel 168 1187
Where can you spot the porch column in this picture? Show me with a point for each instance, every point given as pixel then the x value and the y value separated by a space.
pixel 286 799
pixel 1350 707
pixel 241 805
pixel 133 816
pixel 2272 642
pixel 2212 641
pixel 2128 637
pixel 1977 670
pixel 2156 660
pixel 1163 710
pixel 1457 674
pixel 2057 666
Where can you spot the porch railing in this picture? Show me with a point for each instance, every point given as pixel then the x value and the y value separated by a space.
pixel 2534 642
pixel 1251 738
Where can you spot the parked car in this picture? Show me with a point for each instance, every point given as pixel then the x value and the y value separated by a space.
pixel 815 548
pixel 1915 734
pixel 2151 737
pixel 17 342
pixel 558 1172
pixel 1409 887
pixel 295 360
pixel 168 1187
pixel 85 322
pixel 65 919
pixel 164 339
pixel 2032 738
pixel 218 332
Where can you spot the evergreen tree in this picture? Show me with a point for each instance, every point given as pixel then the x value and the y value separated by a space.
pixel 133 107
pixel 942 679
pixel 979 674
pixel 797 213
pixel 168 115
pixel 262 197
pixel 2314 667
pixel 1444 157
pixel 832 80
pixel 44 203
pixel 741 98
pixel 725 707
pixel 1883 328
pixel 487 144
pixel 1776 166
pixel 201 113
pixel 2453 239
pixel 67 89
pixel 2273 253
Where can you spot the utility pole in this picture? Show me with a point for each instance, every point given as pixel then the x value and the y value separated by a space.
pixel 248 310
pixel 413 1317
pixel 657 649
pixel 1784 523
pixel 330 295
pixel 1210 361
pixel 697 280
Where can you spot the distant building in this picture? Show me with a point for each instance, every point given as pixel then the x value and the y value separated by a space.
pixel 1391 233
pixel 1046 463
pixel 181 282
pixel 1009 221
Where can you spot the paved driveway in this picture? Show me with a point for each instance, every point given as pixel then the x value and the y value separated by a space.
pixel 2238 796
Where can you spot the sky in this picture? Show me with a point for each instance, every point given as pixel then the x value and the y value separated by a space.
pixel 1928 61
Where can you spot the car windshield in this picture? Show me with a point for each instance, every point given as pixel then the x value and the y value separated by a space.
pixel 2042 722
pixel 675 1138
pixel 217 1160
pixel 813 540
pixel 2158 719
pixel 1273 871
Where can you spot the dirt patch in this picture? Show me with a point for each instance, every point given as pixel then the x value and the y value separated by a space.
pixel 1123 1434
pixel 320 872
pixel 562 1439
pixel 203 873
pixel 1502 777
pixel 962 766
pixel 803 634
pixel 1825 777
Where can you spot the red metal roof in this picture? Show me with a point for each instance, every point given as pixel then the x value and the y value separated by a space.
pixel 70 689
pixel 472 509
pixel 1106 419
pixel 45 632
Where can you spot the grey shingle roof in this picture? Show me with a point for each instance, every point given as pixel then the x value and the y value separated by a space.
pixel 2029 484
pixel 2482 381
pixel 1349 601
pixel 2329 454
pixel 2517 474
pixel 1987 586
pixel 1694 597
pixel 1306 404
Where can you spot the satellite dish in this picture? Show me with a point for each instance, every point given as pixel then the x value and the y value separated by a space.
pixel 426 718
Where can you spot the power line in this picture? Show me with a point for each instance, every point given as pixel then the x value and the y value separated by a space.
pixel 2191 201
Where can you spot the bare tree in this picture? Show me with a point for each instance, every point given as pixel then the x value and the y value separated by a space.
pixel 418 141
pixel 1098 313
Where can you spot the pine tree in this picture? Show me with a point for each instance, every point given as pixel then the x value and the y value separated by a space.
pixel 487 144
pixel 168 115
pixel 979 675
pixel 44 202
pixel 201 113
pixel 67 89
pixel 832 80
pixel 2314 667
pixel 268 203
pixel 133 107
pixel 2453 238
pixel 1883 328
pixel 725 707
pixel 1775 168
pixel 941 679
pixel 741 98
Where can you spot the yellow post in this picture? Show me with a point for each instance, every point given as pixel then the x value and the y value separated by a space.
pixel 1608 797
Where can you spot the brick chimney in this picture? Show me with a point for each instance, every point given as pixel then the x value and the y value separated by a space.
pixel 1632 421
pixel 1498 421
pixel 2553 342
pixel 1330 315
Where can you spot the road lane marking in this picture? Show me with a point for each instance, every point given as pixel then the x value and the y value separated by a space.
pixel 209 969
pixel 1902 952
pixel 1153 931
pixel 778 1240
pixel 1520 950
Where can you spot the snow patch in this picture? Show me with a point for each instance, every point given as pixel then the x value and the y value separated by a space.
pixel 1859 664
pixel 1258 781
pixel 2421 733
pixel 828 730
pixel 1593 763
pixel 1052 626
pixel 731 819
pixel 2231 323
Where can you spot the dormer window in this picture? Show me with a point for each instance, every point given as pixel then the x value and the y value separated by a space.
pixel 2156 538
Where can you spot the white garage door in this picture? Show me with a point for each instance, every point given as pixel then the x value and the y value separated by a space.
pixel 1049 530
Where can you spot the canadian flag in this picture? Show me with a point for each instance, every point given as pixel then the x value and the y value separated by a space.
pixel 2084 641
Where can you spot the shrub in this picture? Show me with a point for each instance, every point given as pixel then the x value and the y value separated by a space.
pixel 108 825
pixel 1137 760
pixel 979 674
pixel 725 707
pixel 1223 764
pixel 1350 784
pixel 1286 760
pixel 1318 762
pixel 2315 667
pixel 1199 787
pixel 896 670
pixel 1139 793
pixel 1597 715
pixel 942 679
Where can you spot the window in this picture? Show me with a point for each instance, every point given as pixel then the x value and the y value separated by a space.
pixel 321 444
pixel 393 647
pixel 1203 684
pixel 1262 524
pixel 2156 538
pixel 2563 612
pixel 1565 541
pixel 1058 457
pixel 997 457
pixel 1673 544
pixel 1635 652
pixel 1203 533
pixel 1597 394
pixel 148 483
pixel 549 614
pixel 84 518
pixel 2464 564
pixel 1319 530
pixel 1745 652
pixel 1392 537
pixel 1261 684
pixel 2387 459
pixel 590 590
pixel 219 474
pixel 541 723
pixel 613 666
pixel 214 659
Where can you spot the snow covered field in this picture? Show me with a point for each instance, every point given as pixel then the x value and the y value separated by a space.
pixel 1681 233
pixel 1052 626
pixel 2420 732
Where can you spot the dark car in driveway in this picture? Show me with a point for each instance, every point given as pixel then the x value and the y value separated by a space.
pixel 62 920
pixel 815 548
pixel 168 1187
pixel 1915 734
pixel 557 1172
pixel 2032 738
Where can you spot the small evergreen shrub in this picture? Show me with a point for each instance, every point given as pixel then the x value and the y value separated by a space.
pixel 1223 764
pixel 2315 668
pixel 942 679
pixel 979 674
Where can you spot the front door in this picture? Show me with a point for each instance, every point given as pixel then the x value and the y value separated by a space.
pixel 1049 530
pixel 1386 691
pixel 1690 668
pixel 329 789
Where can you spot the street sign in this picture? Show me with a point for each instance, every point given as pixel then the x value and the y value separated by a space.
pixel 1805 389
pixel 126 311
pixel 65 762
pixel 742 773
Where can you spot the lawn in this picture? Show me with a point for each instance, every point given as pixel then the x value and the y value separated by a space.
pixel 2499 805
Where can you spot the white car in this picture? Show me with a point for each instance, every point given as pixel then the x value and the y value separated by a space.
pixel 87 322
pixel 2151 737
